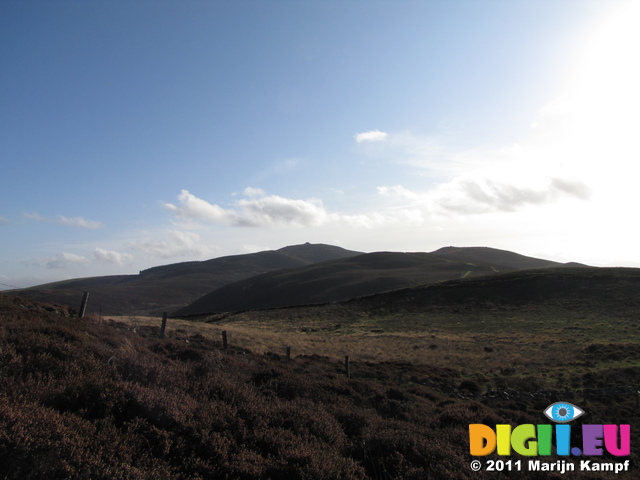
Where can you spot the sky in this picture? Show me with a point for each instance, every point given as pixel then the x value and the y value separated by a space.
pixel 142 133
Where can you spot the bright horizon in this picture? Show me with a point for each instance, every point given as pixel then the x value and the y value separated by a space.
pixel 137 134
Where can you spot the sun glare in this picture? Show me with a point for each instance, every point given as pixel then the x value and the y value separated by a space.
pixel 590 129
pixel 607 79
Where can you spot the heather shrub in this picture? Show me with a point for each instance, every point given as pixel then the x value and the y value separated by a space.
pixel 84 400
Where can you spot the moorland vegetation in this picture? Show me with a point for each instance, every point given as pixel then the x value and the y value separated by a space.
pixel 107 398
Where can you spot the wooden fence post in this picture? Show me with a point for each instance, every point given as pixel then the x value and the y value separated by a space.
pixel 224 339
pixel 83 305
pixel 164 324
pixel 347 366
pixel 288 354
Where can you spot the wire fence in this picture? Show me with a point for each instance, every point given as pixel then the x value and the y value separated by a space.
pixel 583 394
pixel 75 298
pixel 490 395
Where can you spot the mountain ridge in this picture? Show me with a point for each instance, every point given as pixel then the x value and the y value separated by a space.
pixel 169 287
pixel 295 274
pixel 505 258
pixel 366 274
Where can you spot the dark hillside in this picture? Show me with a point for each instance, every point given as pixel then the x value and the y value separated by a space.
pixel 333 281
pixel 168 287
pixel 286 257
pixel 588 288
pixel 311 253
pixel 501 260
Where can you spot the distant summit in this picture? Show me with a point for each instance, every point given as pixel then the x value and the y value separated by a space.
pixel 502 260
pixel 169 287
pixel 293 275
pixel 357 276
pixel 316 252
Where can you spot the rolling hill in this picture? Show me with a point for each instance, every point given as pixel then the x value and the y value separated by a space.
pixel 293 275
pixel 169 287
pixel 358 276
pixel 501 260
pixel 599 290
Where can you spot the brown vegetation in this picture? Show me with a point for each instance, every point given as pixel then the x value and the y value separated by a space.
pixel 82 399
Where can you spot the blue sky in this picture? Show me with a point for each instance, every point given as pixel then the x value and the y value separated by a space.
pixel 140 133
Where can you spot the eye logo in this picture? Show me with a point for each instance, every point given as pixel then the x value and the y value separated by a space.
pixel 563 412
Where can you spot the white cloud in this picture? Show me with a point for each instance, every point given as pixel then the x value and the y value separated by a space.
pixel 370 136
pixel 258 210
pixel 78 222
pixel 193 208
pixel 254 192
pixel 4 221
pixel 486 195
pixel 65 260
pixel 273 210
pixel 62 220
pixel 35 217
pixel 174 243
pixel 469 195
pixel 113 257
